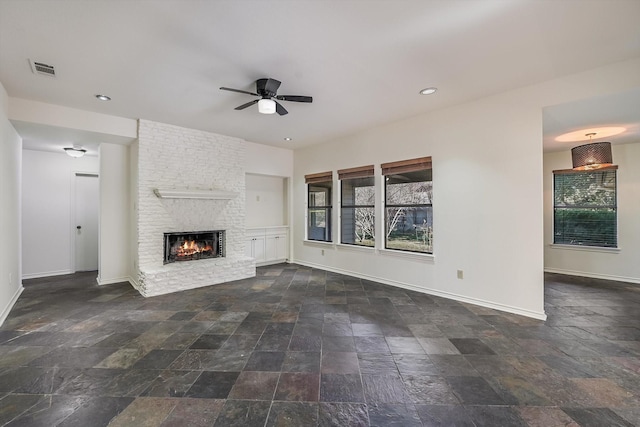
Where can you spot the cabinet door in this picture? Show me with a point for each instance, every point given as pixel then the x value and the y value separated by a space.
pixel 271 248
pixel 282 247
pixel 258 248
pixel 248 247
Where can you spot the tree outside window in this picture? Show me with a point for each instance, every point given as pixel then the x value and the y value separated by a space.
pixel 358 211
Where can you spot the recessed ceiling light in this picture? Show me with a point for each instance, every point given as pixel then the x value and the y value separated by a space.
pixel 583 134
pixel 287 139
pixel 428 91
pixel 103 97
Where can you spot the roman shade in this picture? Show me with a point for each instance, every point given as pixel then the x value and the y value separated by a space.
pixel 403 166
pixel 359 172
pixel 318 177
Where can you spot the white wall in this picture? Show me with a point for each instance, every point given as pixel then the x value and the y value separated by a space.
pixel 115 261
pixel 488 215
pixel 607 264
pixel 107 128
pixel 265 160
pixel 47 211
pixel 266 200
pixel 10 176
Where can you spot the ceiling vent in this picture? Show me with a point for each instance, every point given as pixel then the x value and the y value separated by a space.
pixel 42 69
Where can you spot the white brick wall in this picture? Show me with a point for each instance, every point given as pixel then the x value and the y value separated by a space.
pixel 172 157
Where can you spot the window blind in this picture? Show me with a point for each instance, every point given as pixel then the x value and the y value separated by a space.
pixel 584 207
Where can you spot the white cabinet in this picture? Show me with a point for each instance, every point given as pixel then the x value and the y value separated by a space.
pixel 269 245
pixel 255 246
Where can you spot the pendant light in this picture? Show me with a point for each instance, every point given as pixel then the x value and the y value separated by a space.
pixel 594 155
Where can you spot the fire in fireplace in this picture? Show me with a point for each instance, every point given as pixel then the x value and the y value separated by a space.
pixel 193 245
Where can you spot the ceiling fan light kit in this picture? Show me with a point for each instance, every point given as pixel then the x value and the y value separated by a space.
pixel 267 90
pixel 266 106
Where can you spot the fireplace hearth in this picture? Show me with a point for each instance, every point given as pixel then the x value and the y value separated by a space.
pixel 193 245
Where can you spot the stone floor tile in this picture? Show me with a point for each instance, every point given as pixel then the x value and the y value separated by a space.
pixel 444 416
pixel 596 417
pixel 342 414
pixel 388 414
pixel 251 385
pixel 243 413
pixel 298 386
pixel 213 385
pixel 491 416
pixel 144 412
pixel 194 413
pixel 474 391
pixel 544 416
pixel 293 414
pixel 98 411
pixel 341 388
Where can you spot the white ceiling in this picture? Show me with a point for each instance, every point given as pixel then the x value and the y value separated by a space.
pixel 363 61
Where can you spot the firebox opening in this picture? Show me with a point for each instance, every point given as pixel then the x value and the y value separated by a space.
pixel 193 245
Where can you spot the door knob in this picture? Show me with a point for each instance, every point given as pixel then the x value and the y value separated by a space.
pixel 79 227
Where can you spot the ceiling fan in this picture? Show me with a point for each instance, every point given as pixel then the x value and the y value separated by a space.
pixel 267 90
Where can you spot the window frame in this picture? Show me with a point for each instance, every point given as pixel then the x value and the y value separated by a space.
pixel 361 172
pixel 603 207
pixel 319 182
pixel 395 168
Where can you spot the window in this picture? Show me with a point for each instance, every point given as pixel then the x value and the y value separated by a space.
pixel 357 210
pixel 319 187
pixel 408 205
pixel 584 208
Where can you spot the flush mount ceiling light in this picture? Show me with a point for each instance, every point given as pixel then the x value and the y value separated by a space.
pixel 266 106
pixel 582 134
pixel 287 139
pixel 594 155
pixel 103 97
pixel 75 151
pixel 428 91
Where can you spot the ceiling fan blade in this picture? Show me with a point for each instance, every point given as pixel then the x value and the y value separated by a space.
pixel 280 109
pixel 295 98
pixel 248 104
pixel 239 91
pixel 271 86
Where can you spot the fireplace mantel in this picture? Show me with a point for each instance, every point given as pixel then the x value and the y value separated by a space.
pixel 194 194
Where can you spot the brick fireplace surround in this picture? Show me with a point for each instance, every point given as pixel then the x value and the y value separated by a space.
pixel 176 158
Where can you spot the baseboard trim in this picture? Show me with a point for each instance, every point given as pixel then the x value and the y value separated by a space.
pixel 593 275
pixel 482 303
pixel 5 312
pixel 112 281
pixel 47 274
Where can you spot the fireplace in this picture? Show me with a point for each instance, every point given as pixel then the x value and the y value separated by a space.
pixel 193 245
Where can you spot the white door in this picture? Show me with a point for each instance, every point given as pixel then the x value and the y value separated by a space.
pixel 87 204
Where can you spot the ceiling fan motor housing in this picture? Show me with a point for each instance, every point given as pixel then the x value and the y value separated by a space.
pixel 267 87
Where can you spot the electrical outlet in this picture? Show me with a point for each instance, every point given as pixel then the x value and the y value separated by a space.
pixel 460 274
pixel 257 198
pixel 322 252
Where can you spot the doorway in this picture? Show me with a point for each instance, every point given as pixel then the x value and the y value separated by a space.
pixel 86 212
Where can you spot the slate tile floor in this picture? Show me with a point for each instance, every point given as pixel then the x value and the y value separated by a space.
pixel 302 347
